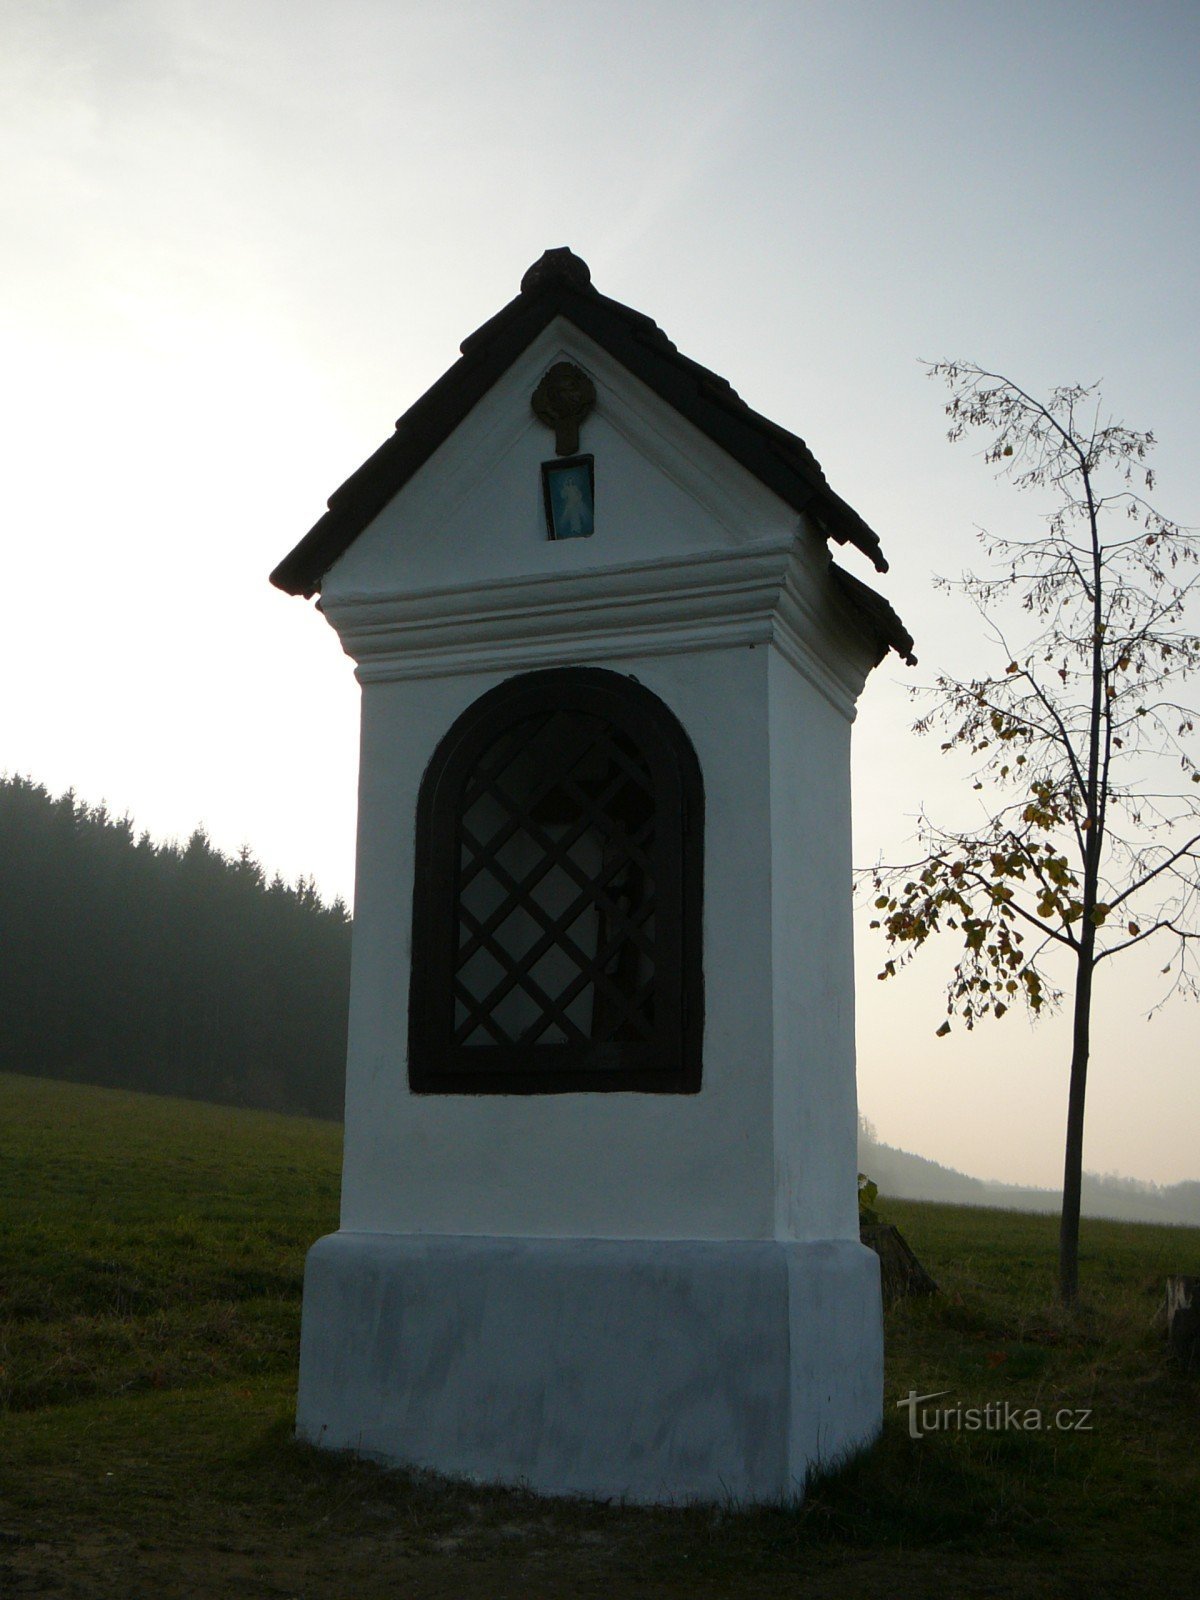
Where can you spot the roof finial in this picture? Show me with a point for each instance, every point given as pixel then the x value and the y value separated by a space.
pixel 561 263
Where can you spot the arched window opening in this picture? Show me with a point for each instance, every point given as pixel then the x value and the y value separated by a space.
pixel 556 926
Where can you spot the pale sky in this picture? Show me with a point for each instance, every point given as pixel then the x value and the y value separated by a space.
pixel 242 236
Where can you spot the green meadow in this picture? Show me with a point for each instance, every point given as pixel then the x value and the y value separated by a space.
pixel 151 1261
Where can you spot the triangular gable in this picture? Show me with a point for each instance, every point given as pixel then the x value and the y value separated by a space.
pixel 474 512
pixel 560 284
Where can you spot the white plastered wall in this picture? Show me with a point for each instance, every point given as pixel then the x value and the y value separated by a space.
pixel 609 1165
pixel 815 1126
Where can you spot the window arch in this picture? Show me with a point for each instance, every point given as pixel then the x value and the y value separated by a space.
pixel 557 897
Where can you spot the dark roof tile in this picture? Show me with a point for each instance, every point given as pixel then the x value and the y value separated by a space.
pixel 873 611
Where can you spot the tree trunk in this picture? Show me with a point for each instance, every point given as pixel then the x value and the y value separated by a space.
pixel 1095 799
pixel 1068 1233
pixel 1183 1321
pixel 900 1273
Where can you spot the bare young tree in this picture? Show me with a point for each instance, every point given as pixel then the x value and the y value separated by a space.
pixel 1082 741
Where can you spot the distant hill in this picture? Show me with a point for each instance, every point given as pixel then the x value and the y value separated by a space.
pixel 904 1176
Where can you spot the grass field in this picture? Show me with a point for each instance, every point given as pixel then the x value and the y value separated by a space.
pixel 151 1254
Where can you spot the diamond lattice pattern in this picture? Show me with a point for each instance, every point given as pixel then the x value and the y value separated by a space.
pixel 555 895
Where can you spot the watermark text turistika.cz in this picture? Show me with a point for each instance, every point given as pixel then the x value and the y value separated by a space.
pixel 997 1416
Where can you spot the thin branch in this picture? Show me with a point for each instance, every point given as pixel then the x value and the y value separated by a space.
pixel 1187 849
pixel 1185 935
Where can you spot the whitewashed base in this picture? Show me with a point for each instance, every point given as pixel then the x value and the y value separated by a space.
pixel 646 1370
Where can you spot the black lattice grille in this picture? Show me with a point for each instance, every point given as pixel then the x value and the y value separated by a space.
pixel 557 927
pixel 555 898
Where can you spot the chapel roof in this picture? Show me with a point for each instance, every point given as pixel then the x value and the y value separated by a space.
pixel 559 283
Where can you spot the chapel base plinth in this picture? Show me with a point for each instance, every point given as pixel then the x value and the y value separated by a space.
pixel 647 1370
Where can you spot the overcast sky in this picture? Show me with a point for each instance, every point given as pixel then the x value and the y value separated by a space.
pixel 241 236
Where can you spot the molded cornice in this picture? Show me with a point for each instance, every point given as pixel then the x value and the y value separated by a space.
pixel 761 594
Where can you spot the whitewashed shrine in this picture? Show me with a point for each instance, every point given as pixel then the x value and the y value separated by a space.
pixel 599 1221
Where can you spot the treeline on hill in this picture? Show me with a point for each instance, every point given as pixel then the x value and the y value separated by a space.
pixel 176 970
pixel 900 1175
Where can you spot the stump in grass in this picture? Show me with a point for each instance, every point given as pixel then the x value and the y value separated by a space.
pixel 1183 1321
pixel 900 1272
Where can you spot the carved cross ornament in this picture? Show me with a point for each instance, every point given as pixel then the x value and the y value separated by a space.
pixel 563 398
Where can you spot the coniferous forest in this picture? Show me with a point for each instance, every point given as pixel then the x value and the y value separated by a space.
pixel 178 970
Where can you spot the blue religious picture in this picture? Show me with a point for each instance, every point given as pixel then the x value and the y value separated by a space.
pixel 569 493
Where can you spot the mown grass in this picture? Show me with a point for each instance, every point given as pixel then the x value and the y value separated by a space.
pixel 151 1254
pixel 148 1243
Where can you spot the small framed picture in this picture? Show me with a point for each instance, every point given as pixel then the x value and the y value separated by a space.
pixel 569 491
